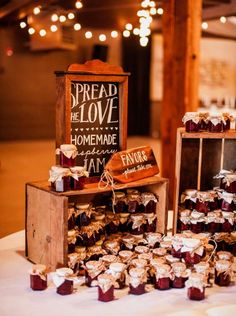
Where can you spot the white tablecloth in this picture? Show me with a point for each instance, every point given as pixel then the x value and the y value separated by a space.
pixel 16 297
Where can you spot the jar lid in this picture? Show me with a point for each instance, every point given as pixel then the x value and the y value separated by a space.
pixel 130 191
pixel 170 259
pixel 145 256
pixel 71 233
pixel 162 268
pixel 224 255
pixel 222 265
pixel 128 239
pixel 153 237
pixel 137 272
pixel 64 272
pixel 82 206
pixel 68 147
pixel 197 215
pixel 165 244
pixel 157 261
pixel 119 194
pixel 117 267
pixel 136 216
pixel 124 215
pixel 94 265
pixel 80 249
pixel 111 244
pixel 38 269
pixel 191 242
pixel 73 256
pixel 178 267
pixel 141 249
pixel 105 279
pixel 148 195
pixel 126 254
pixel 99 217
pixel 139 263
pixel 159 251
pixel 108 258
pixel 196 277
pixel 191 192
pixel 202 266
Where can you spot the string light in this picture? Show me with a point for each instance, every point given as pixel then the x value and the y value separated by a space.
pixel 31 30
pixel 143 41
pixel 71 16
pixel 136 31
pixel 88 34
pixel 23 24
pixel 223 19
pixel 102 37
pixel 53 28
pixel 78 4
pixel 129 26
pixel 36 10
pixel 62 18
pixel 160 11
pixel 77 27
pixel 153 11
pixel 114 34
pixel 126 33
pixel 54 17
pixel 204 25
pixel 42 32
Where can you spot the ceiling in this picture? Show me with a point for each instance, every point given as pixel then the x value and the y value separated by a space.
pixel 108 13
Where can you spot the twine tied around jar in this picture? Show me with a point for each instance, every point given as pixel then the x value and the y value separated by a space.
pixel 213 251
pixel 105 181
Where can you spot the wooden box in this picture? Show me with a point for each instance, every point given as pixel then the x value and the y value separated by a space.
pixel 47 214
pixel 199 157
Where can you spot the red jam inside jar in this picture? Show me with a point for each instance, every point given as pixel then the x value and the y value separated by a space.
pixel 195 286
pixel 38 277
pixel 196 294
pixel 105 288
pixel 65 288
pixel 68 153
pixel 191 121
pixel 197 226
pixel 151 223
pixel 112 224
pixel 223 273
pixel 139 290
pixel 148 202
pixel 162 284
pixel 137 224
pixel 178 282
pixel 133 201
pixel 120 202
pixel 83 214
pixel 137 281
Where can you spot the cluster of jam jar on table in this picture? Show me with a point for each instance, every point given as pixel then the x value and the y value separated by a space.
pixel 183 260
pixel 67 176
pixel 212 211
pixel 204 122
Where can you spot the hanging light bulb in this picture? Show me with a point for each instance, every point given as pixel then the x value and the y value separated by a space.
pixel 136 31
pixel 153 11
pixel 36 10
pixel 204 25
pixel 114 34
pixel 78 4
pixel 223 19
pixel 62 18
pixel 23 24
pixel 129 26
pixel 160 11
pixel 102 37
pixel 31 30
pixel 126 33
pixel 143 41
pixel 53 28
pixel 88 34
pixel 42 32
pixel 77 27
pixel 54 17
pixel 71 16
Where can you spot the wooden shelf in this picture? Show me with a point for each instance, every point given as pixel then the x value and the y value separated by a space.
pixel 228 135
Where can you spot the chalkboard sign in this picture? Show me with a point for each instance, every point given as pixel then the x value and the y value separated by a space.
pixel 91 112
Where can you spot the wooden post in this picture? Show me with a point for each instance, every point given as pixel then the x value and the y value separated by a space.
pixel 181 33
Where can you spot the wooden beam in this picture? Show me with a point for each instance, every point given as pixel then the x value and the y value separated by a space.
pixel 219 10
pixel 181 33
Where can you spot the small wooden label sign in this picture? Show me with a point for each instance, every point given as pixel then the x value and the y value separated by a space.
pixel 132 164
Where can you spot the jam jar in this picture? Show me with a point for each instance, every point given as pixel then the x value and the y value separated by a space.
pixel 180 275
pixel 99 223
pixel 68 153
pixel 124 218
pixel 82 255
pixel 220 240
pixel 83 214
pixel 205 201
pixel 119 202
pixel 108 259
pixel 71 240
pixel 125 256
pixel 197 222
pixel 196 287
pixel 184 223
pixel 228 201
pixel 60 178
pixel 223 272
pixel 177 244
pixel 216 123
pixel 95 252
pixel 112 223
pixel 148 202
pixel 71 216
pixel 105 287
pixel 138 279
pixel 78 176
pixel 191 121
pixel 127 242
pixel 112 247
pixel 167 244
pixel 203 121
pixel 86 236
pixel 228 118
pixel 138 263
pixel 230 182
pixel 63 279
pixel 153 239
pixel 151 222
pixel 133 202
pixel 212 223
pixel 228 225
pixel 117 270
pixel 203 268
pixel 162 276
pixel 92 270
pixel 137 224
pixel 38 277
pixel 188 198
pixel 141 249
pixel 192 250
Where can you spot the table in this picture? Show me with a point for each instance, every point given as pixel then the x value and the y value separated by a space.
pixel 16 297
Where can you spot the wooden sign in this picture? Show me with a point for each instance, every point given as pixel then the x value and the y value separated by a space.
pixel 132 164
pixel 91 112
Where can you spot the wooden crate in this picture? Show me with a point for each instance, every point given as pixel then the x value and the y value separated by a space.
pixel 47 214
pixel 199 157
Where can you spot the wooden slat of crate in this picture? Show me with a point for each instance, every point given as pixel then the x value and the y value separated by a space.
pixel 46 215
pixel 200 156
pixel 46 232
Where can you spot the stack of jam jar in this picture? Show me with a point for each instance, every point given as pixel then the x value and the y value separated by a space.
pixel 162 262
pixel 212 211
pixel 204 122
pixel 67 176
pixel 126 212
